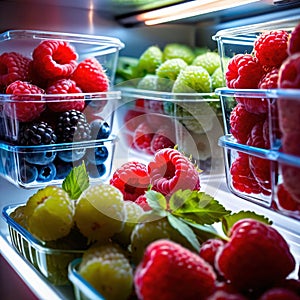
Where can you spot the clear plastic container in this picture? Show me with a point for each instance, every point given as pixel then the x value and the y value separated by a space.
pixel 191 121
pixel 82 289
pixel 37 166
pixel 51 262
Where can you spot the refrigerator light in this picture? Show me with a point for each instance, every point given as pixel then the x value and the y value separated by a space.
pixel 189 9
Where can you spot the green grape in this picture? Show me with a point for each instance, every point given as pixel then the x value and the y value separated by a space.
pixel 133 213
pixel 176 50
pixel 145 233
pixel 49 213
pixel 108 270
pixel 99 212
pixel 209 61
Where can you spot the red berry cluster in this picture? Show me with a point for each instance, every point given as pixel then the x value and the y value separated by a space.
pixel 167 172
pixel 53 69
pixel 274 63
pixel 147 129
pixel 254 263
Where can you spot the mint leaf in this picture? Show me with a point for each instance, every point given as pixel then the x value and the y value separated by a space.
pixel 184 230
pixel 198 207
pixel 76 181
pixel 229 220
pixel 179 198
pixel 156 201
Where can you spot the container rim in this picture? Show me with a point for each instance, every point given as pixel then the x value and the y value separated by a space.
pixel 72 37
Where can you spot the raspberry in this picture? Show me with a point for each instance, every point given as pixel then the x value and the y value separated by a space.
pixel 90 76
pixel 65 86
pixel 223 295
pixel 279 294
pixel 132 179
pixel 256 256
pixel 209 249
pixel 143 136
pixel 149 60
pixel 170 171
pixel 289 72
pixel 142 202
pixel 260 167
pixel 166 263
pixel 243 72
pixel 242 177
pixel 285 200
pixel 270 48
pixel 294 40
pixel 241 122
pixel 162 138
pixel 24 108
pixel 132 119
pixel 54 59
pixel 269 80
pixel 209 61
pixel 13 66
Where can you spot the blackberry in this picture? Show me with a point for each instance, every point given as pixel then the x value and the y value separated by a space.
pixel 72 126
pixel 36 133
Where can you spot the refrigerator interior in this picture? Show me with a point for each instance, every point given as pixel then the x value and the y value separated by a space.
pixel 101 18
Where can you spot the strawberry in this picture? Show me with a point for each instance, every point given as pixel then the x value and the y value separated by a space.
pixel 294 41
pixel 256 256
pixel 270 48
pixel 132 179
pixel 170 170
pixel 170 271
pixel 54 59
pixel 90 76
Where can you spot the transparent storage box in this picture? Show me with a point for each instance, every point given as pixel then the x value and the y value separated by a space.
pixel 37 166
pixel 82 289
pixel 150 120
pixel 52 262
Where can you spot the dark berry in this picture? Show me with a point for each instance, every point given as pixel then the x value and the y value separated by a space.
pixel 62 168
pixel 40 157
pixel 97 155
pixel 99 129
pixel 28 173
pixel 71 155
pixel 95 171
pixel 72 126
pixel 46 173
pixel 36 133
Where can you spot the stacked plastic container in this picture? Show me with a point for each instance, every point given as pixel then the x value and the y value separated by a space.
pixel 274 170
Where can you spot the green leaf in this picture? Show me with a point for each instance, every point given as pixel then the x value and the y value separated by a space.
pixel 184 230
pixel 76 181
pixel 198 207
pixel 156 201
pixel 229 220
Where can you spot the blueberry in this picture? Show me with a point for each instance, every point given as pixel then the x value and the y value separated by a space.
pixel 40 158
pixel 71 155
pixel 62 168
pixel 97 155
pixel 95 171
pixel 28 173
pixel 99 129
pixel 46 173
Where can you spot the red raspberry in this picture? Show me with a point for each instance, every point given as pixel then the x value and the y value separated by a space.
pixel 170 171
pixel 163 138
pixel 242 178
pixel 291 178
pixel 269 80
pixel 54 59
pixel 209 249
pixel 65 86
pixel 132 179
pixel 13 66
pixel 260 167
pixel 142 201
pixel 270 48
pixel 143 136
pixel 242 121
pixel 90 76
pixel 256 256
pixel 289 73
pixel 285 200
pixel 279 294
pixel 294 40
pixel 243 72
pixel 223 295
pixel 24 108
pixel 133 118
pixel 169 271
